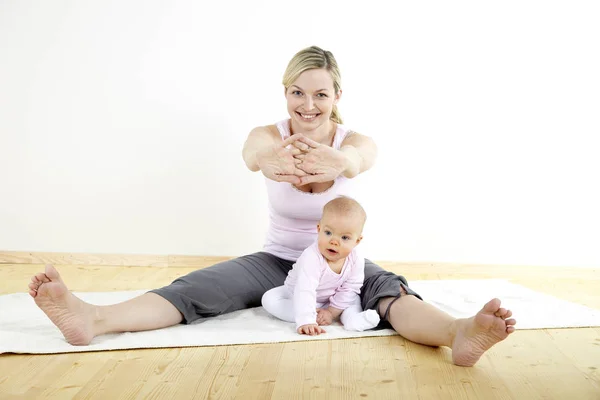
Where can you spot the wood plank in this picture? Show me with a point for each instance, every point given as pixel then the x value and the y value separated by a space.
pixel 68 382
pixel 582 349
pixel 258 378
pixel 24 257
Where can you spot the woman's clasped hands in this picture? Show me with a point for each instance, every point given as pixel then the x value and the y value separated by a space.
pixel 300 161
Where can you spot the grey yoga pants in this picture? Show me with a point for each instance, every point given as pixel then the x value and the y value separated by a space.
pixel 240 283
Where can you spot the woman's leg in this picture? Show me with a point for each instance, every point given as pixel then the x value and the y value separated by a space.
pixel 422 323
pixel 278 302
pixel 355 319
pixel 418 321
pixel 222 288
pixel 80 322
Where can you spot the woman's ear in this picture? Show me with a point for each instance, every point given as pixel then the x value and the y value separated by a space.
pixel 337 97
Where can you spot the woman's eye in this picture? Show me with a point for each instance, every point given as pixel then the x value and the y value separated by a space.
pixel 297 93
pixel 322 95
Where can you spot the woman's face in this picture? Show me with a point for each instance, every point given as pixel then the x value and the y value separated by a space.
pixel 310 99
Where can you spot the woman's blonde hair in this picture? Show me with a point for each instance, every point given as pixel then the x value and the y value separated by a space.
pixel 314 58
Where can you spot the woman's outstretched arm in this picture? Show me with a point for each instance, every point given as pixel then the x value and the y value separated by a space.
pixel 361 152
pixel 258 139
pixel 265 151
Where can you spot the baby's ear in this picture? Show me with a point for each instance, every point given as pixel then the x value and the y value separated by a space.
pixel 358 240
pixel 318 228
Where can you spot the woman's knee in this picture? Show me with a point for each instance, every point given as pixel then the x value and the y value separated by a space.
pixel 383 305
pixel 386 302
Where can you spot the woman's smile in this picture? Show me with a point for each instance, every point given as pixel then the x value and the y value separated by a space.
pixel 307 117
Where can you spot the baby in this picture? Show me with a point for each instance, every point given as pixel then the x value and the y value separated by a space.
pixel 325 281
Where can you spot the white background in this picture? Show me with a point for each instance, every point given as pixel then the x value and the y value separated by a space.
pixel 122 123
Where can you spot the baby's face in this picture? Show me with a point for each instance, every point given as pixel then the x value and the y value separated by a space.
pixel 338 235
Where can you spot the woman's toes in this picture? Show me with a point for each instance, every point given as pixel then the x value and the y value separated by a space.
pixel 33 286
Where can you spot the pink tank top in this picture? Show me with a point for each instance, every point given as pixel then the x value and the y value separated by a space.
pixel 294 214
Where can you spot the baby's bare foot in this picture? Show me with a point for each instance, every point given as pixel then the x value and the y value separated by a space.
pixel 72 316
pixel 474 336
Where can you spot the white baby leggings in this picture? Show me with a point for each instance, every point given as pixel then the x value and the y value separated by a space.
pixel 278 302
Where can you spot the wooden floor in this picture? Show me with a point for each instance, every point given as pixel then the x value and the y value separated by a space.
pixel 541 364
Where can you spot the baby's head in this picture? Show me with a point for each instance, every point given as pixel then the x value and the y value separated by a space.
pixel 340 228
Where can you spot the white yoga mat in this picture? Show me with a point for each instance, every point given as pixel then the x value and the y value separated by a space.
pixel 25 329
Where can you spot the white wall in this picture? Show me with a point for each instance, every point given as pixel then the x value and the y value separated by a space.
pixel 122 122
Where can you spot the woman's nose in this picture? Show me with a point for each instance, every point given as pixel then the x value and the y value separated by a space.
pixel 308 103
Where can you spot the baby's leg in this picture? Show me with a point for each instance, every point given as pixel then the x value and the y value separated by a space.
pixel 278 302
pixel 355 319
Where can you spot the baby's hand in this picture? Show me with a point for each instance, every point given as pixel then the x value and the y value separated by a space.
pixel 311 329
pixel 324 316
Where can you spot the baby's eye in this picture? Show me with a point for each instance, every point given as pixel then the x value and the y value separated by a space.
pixel 328 233
pixel 345 237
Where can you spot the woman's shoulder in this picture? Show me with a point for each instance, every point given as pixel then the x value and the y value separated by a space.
pixel 267 130
pixel 342 133
pixel 282 128
pixel 279 129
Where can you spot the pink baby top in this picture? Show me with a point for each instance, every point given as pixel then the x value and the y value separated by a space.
pixel 312 281
pixel 294 214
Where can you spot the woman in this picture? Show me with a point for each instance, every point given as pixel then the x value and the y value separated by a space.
pixel 308 160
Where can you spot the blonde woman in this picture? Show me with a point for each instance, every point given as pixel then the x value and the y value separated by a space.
pixel 308 160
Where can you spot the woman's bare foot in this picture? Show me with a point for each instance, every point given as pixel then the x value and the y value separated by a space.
pixel 475 335
pixel 72 316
